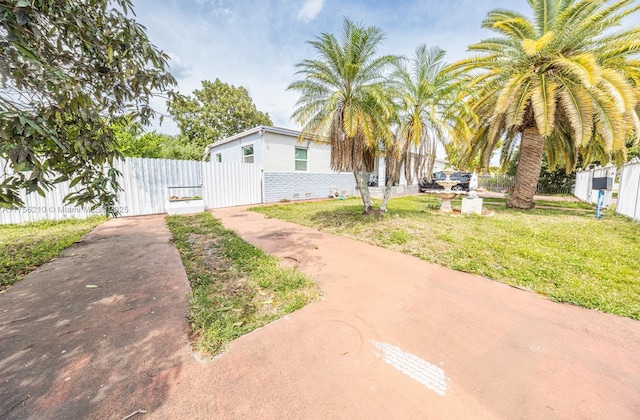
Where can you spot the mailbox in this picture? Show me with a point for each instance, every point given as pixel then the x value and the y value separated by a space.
pixel 603 183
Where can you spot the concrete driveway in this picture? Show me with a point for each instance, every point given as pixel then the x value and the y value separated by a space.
pixel 395 337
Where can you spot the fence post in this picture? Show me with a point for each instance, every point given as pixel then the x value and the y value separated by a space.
pixel 620 189
pixel 635 210
pixel 590 186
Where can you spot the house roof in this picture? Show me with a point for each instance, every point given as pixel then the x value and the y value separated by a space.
pixel 264 129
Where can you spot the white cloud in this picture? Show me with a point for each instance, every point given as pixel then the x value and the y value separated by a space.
pixel 225 13
pixel 179 69
pixel 310 10
pixel 218 9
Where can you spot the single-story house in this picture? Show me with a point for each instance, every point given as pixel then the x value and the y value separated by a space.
pixel 295 169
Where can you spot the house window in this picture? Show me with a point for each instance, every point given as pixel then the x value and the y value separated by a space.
pixel 218 157
pixel 247 154
pixel 301 159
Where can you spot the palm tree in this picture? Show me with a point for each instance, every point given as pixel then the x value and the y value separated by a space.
pixel 343 96
pixel 430 110
pixel 563 82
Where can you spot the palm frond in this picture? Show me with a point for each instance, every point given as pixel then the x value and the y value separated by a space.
pixel 577 106
pixel 533 47
pixel 623 94
pixel 518 106
pixel 545 12
pixel 607 119
pixel 509 23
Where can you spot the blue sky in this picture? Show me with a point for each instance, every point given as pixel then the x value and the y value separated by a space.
pixel 256 43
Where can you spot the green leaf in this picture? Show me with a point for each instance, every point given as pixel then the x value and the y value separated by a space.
pixel 75 182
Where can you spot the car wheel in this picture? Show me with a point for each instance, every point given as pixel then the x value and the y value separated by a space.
pixel 457 188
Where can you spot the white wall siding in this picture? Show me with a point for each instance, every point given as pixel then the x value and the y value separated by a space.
pixel 301 186
pixel 276 152
pixel 279 154
pixel 319 158
pixel 231 184
pixel 628 203
pixel 231 152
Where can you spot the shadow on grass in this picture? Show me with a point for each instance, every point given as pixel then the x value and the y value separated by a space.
pixel 344 217
pixel 347 215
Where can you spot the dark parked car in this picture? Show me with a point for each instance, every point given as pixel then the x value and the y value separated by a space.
pixel 463 178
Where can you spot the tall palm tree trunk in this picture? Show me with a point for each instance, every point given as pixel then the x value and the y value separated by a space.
pixel 387 195
pixel 363 186
pixel 528 171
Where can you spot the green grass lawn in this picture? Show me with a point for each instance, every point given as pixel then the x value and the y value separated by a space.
pixel 24 247
pixel 236 287
pixel 566 255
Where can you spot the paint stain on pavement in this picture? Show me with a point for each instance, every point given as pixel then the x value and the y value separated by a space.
pixel 414 367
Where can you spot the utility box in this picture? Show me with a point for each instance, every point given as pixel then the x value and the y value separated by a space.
pixel 603 183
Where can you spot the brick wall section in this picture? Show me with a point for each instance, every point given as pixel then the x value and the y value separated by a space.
pixel 303 186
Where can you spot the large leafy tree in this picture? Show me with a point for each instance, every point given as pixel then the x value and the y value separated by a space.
pixel 216 111
pixel 430 111
pixel 69 70
pixel 178 147
pixel 343 96
pixel 133 142
pixel 565 81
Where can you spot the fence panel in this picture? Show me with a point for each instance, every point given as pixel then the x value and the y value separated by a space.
pixel 502 183
pixel 583 186
pixel 231 184
pixel 36 207
pixel 496 183
pixel 628 203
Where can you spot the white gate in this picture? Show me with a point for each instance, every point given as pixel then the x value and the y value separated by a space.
pixel 231 184
pixel 628 203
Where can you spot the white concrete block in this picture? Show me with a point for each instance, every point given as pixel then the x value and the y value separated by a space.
pixel 472 206
pixel 184 207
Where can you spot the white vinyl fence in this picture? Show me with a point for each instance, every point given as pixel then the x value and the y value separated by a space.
pixel 146 184
pixel 583 189
pixel 628 203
